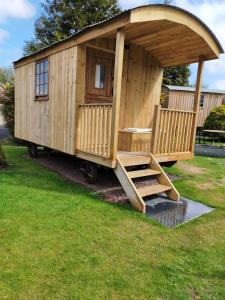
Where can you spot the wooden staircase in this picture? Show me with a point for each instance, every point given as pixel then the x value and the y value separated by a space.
pixel 131 166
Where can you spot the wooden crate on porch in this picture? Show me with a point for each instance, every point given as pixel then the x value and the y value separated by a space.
pixel 134 141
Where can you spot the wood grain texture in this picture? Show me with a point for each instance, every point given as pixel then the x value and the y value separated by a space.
pixel 129 187
pixel 94 127
pixel 134 142
pixel 172 131
pixel 141 87
pixel 118 72
pixel 49 123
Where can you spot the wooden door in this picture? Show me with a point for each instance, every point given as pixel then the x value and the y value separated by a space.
pixel 99 76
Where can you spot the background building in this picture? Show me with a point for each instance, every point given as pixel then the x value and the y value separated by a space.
pixel 182 98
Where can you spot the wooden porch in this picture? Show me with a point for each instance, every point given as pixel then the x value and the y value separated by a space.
pixel 99 134
pixel 171 139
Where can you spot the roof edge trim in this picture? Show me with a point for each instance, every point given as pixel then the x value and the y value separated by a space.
pixel 116 18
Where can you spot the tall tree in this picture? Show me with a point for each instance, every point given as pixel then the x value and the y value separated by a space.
pixel 61 18
pixel 177 75
pixel 7 99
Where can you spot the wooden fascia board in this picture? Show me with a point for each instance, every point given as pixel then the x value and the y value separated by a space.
pixel 95 32
pixel 146 14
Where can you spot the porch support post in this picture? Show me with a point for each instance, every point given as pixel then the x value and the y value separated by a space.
pixel 80 91
pixel 120 37
pixel 197 97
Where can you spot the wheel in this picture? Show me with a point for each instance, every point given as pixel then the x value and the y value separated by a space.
pixel 32 150
pixel 89 172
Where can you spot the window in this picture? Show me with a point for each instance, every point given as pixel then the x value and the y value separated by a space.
pixel 99 76
pixel 202 100
pixel 41 79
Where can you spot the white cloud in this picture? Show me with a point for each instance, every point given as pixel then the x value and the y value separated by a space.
pixel 19 9
pixel 14 9
pixel 218 84
pixel 127 4
pixel 212 13
pixel 3 35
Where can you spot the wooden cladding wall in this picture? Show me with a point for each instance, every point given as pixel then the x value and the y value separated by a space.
pixel 49 123
pixel 95 129
pixel 183 100
pixel 31 117
pixel 141 88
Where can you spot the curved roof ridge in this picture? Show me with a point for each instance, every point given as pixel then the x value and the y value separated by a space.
pixel 117 16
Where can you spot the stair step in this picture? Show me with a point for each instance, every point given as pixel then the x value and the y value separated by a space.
pixel 143 173
pixel 149 190
pixel 128 161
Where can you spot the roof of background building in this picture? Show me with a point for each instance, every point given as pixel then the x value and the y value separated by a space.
pixel 192 89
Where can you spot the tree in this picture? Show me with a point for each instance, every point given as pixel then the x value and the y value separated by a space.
pixel 177 75
pixel 216 119
pixel 6 75
pixel 8 104
pixel 61 18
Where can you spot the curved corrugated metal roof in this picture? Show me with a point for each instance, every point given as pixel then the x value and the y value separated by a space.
pixel 99 24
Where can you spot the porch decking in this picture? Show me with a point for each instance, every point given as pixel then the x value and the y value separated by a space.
pixel 171 139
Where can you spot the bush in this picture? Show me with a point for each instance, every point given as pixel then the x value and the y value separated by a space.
pixel 216 119
pixel 7 100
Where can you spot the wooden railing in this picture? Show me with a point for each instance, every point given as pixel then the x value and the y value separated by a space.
pixel 95 129
pixel 172 131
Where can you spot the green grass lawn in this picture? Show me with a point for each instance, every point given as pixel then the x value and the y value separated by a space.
pixel 57 241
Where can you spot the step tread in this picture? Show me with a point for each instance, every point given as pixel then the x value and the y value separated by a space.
pixel 143 173
pixel 149 190
pixel 134 161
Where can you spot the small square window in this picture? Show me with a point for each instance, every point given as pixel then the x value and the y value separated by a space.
pixel 41 79
pixel 99 76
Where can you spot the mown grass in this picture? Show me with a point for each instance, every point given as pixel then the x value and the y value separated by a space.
pixel 57 241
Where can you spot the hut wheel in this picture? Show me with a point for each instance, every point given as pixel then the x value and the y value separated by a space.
pixel 89 171
pixel 32 150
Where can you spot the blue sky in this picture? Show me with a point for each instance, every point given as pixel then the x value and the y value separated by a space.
pixel 17 19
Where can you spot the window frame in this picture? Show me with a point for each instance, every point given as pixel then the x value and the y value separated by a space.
pixel 202 102
pixel 43 97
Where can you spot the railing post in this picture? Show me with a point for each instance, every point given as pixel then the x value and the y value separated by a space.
pixel 155 129
pixel 196 103
pixel 78 133
pixel 120 37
